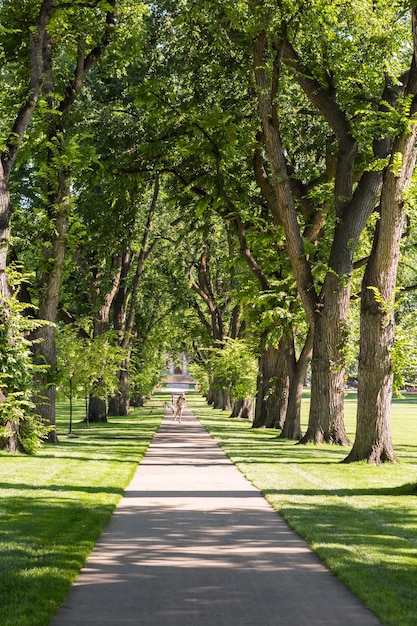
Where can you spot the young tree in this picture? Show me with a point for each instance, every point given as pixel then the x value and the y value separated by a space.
pixel 20 427
pixel 234 368
pixel 72 364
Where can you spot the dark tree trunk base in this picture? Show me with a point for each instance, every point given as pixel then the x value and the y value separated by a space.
pixel 333 438
pixel 118 406
pixel 291 431
pixel 220 399
pixel 242 409
pixel 137 400
pixel 12 442
pixel 97 411
pixel 272 387
pixel 373 455
pixel 52 437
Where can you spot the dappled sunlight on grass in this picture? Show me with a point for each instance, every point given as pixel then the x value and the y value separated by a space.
pixel 56 504
pixel 361 519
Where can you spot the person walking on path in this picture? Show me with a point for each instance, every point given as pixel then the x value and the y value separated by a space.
pixel 179 407
pixel 192 542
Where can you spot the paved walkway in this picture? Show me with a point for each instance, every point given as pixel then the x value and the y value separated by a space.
pixel 193 543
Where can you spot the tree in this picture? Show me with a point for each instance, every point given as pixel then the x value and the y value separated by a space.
pixel 211 285
pixel 211 156
pixel 234 368
pixel 373 441
pixel 31 66
pixel 256 155
pixel 20 427
pixel 72 364
pixel 60 158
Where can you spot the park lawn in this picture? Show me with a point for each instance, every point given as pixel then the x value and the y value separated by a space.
pixel 360 519
pixel 55 505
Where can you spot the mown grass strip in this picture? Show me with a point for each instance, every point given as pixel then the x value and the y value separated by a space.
pixel 55 505
pixel 360 519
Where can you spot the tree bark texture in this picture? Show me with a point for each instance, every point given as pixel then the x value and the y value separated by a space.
pixel 119 404
pixel 297 370
pixel 59 211
pixel 377 334
pixel 203 286
pixel 97 410
pixel 12 442
pixel 373 441
pixel 219 397
pixel 20 125
pixel 137 400
pixel 124 304
pixel 327 311
pixel 272 387
pixel 45 349
pixel 326 421
pixel 242 408
pixel 97 407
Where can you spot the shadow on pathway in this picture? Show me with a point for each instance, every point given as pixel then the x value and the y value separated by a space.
pixel 193 543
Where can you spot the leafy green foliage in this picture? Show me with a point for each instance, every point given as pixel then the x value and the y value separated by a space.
pixel 91 364
pixel 174 94
pixel 404 353
pixel 234 367
pixel 17 370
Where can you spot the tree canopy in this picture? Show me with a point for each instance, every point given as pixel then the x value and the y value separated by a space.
pixel 226 179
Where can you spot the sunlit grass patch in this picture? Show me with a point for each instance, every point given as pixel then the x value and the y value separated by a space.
pixel 361 519
pixel 55 505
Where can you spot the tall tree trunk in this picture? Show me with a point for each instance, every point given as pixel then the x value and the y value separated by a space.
pixel 373 441
pixel 97 407
pixel 326 422
pixel 242 408
pixel 59 209
pixel 37 35
pixel 297 370
pixel 44 348
pixel 119 404
pixel 124 314
pixel 97 410
pixel 327 311
pixel 272 387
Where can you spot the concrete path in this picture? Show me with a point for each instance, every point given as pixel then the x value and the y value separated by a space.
pixel 193 543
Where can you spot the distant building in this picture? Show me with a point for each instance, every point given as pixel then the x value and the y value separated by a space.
pixel 177 366
pixel 176 373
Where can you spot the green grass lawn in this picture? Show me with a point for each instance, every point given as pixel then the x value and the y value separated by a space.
pixel 54 506
pixel 360 519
